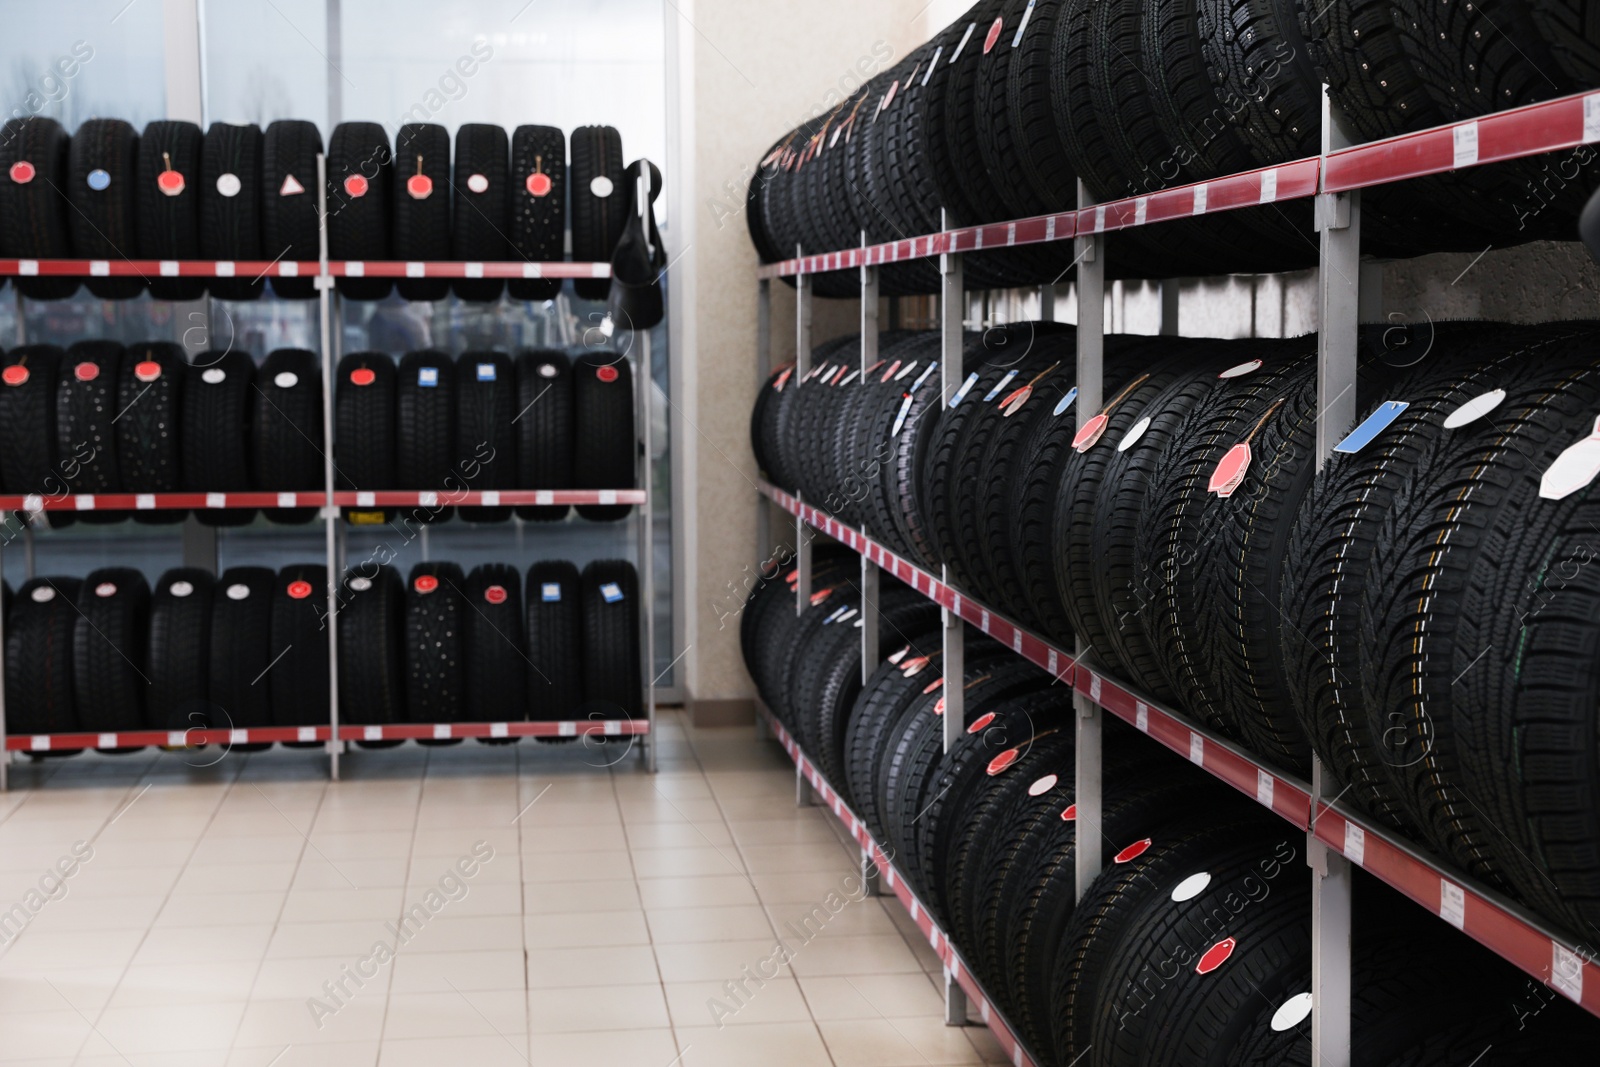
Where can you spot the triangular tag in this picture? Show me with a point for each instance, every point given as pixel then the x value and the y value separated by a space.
pixel 290 187
pixel 1574 468
pixel 1230 472
pixel 1092 431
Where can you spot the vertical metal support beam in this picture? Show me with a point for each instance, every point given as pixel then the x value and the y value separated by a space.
pixel 869 313
pixel 804 795
pixel 1091 258
pixel 1047 303
pixel 952 303
pixel 871 876
pixel 802 367
pixel 5 756
pixel 646 520
pixel 955 1000
pixel 1169 308
pixel 330 514
pixel 870 625
pixel 869 570
pixel 1338 219
pixel 763 371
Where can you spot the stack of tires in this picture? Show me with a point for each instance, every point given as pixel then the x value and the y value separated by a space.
pixel 249 648
pixel 1194 944
pixel 1419 615
pixel 996 116
pixel 235 192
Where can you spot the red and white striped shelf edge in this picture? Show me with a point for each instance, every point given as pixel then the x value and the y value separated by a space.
pixel 892 880
pixel 345 499
pixel 347 732
pixel 1525 131
pixel 1505 928
pixel 283 268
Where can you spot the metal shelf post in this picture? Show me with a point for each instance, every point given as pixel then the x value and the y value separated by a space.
pixel 802 367
pixel 646 518
pixel 1090 254
pixel 952 299
pixel 330 513
pixel 869 570
pixel 1338 221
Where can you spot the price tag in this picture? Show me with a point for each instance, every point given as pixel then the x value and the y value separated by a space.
pixel 1371 427
pixel 1355 843
pixel 543 496
pixel 216 500
pixel 100 268
pixel 39 743
pixel 1264 787
pixel 225 268
pixel 1574 468
pixel 1141 210
pixel 106 741
pixel 608 496
pixel 1141 717
pixel 441 730
pixel 175 739
pixel 288 269
pixel 27 267
pixel 145 501
pixel 428 499
pixel 238 737
pixel 1452 904
pixel 1094 687
pixel 85 502
pixel 1200 194
pixel 169 268
pixel 1465 138
pixel 372 733
pixel 499 729
pixel 474 270
pixel 1197 749
pixel 416 270
pixel 966 386
pixel 355 268
pixel 1591 117
pixel 613 727
pixel 491 498
pixel 306 733
pixel 286 500
pixel 1269 185
pixel 1566 972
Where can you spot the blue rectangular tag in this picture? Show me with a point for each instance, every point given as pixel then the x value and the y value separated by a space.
pixel 428 377
pixel 551 592
pixel 1374 424
pixel 486 372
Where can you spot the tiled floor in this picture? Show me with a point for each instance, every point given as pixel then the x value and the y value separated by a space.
pixel 248 913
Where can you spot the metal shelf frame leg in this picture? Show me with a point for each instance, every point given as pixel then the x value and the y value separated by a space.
pixel 869 570
pixel 952 303
pixel 1090 254
pixel 330 513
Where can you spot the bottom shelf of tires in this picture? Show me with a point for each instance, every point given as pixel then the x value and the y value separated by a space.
pixel 111 662
pixel 1194 944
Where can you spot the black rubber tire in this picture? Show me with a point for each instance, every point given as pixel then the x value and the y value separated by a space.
pixel 287 445
pixel 486 405
pixel 290 226
pixel 421 226
pixel 597 221
pixel 241 646
pixel 604 446
pixel 28 423
pixel 1572 33
pixel 364 440
pixel 555 642
pixel 481 218
pixel 297 682
pixel 538 214
pixel 215 431
pixel 882 701
pixel 179 656
pixel 109 644
pixel 360 172
pixel 230 214
pixel 169 225
pixel 435 617
pixel 613 674
pixel 496 645
pixel 425 426
pixel 39 649
pixel 86 412
pixel 102 222
pixel 33 214
pixel 149 412
pixel 372 645
pixel 1261 66
pixel 544 428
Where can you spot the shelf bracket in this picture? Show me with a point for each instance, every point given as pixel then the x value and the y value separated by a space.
pixel 955 1000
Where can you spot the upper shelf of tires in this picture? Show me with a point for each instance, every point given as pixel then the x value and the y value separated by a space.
pixel 999 115
pixel 179 212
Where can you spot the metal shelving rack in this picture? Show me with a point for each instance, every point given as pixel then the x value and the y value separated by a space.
pixel 334 735
pixel 1337 836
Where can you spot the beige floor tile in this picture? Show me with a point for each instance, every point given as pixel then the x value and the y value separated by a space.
pixel 205 982
pixel 658 808
pixel 312 939
pixel 388 844
pixel 702 892
pixel 236 877
pixel 284 847
pixel 896 1043
pixel 693 862
pixel 852 918
pixel 437 972
pixel 578 929
pixel 537 840
pixel 342 1054
pixel 341 905
pixel 872 996
pixel 353 1017
pixel 169 1028
pixel 617 894
pixel 221 909
pixel 557 968
pixel 596 1009
pixel 769 1044
pixel 508 1050
pixel 298 979
pixel 577 867
pixel 736 1002
pixel 798 858
pixel 855 955
pixel 87 913
pixel 618 1048
pixel 204 944
pixel 85 989
pixel 40 948
pixel 320 872
pixel 703 834
pixel 451 933
pixel 733 922
pixel 717 961
pixel 464 1013
pixel 38 1034
pixel 808 830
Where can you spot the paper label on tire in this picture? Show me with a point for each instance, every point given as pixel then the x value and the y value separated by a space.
pixel 1574 468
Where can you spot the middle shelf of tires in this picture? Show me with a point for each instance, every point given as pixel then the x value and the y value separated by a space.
pixel 248 648
pixel 1194 946
pixel 102 418
pixel 1421 614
